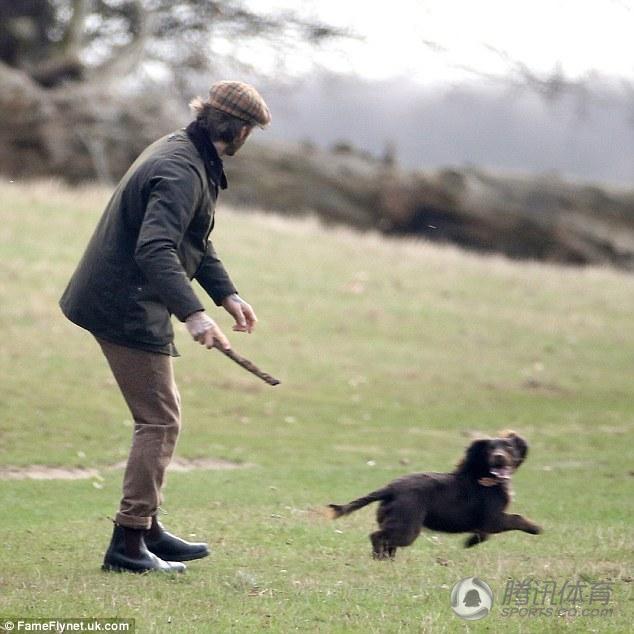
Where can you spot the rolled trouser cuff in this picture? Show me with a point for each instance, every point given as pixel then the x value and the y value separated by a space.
pixel 133 521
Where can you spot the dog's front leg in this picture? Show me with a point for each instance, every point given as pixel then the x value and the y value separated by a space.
pixel 513 522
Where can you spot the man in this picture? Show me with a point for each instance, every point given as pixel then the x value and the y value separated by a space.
pixel 152 239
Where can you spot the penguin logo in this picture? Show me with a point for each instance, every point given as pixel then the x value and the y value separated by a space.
pixel 471 599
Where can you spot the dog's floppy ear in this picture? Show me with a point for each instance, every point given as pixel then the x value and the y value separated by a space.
pixel 520 445
pixel 476 458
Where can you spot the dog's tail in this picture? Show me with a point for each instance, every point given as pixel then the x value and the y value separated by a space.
pixel 336 510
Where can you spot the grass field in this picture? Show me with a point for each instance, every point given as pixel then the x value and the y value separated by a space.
pixel 391 355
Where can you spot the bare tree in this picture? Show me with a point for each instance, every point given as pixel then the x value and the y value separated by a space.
pixel 62 107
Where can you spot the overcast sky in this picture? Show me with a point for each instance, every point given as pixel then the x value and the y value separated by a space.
pixel 439 41
pixel 445 81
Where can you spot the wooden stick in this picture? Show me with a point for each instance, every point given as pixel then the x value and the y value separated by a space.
pixel 247 365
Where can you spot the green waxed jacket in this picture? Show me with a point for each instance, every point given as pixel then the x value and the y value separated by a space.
pixel 152 239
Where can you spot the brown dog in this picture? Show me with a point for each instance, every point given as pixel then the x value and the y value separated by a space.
pixel 472 498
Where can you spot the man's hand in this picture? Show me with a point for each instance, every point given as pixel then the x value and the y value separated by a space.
pixel 205 331
pixel 241 312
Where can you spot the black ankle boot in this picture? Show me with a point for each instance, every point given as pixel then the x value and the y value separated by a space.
pixel 168 546
pixel 127 552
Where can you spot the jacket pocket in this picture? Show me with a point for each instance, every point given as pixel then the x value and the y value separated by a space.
pixel 147 319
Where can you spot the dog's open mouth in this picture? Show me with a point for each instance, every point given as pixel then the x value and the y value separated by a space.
pixel 502 473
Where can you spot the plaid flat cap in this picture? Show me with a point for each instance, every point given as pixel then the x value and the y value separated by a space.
pixel 240 100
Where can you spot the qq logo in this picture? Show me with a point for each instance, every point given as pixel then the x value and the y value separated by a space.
pixel 471 599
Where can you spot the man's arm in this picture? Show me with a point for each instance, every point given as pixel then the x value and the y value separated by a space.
pixel 213 277
pixel 169 211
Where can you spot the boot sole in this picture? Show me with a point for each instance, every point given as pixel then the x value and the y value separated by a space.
pixel 109 568
pixel 185 558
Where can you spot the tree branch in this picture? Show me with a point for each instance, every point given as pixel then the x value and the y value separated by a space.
pixel 124 59
pixel 73 37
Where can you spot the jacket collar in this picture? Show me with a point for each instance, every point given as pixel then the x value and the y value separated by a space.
pixel 213 163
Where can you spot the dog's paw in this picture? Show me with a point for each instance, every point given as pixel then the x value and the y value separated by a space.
pixel 475 539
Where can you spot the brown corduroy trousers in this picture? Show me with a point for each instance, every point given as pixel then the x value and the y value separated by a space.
pixel 146 380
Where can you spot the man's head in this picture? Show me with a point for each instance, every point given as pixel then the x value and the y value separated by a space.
pixel 231 111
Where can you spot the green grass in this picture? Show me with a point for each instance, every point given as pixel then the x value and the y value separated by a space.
pixel 390 354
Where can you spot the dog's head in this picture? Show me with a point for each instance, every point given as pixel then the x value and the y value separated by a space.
pixel 494 459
